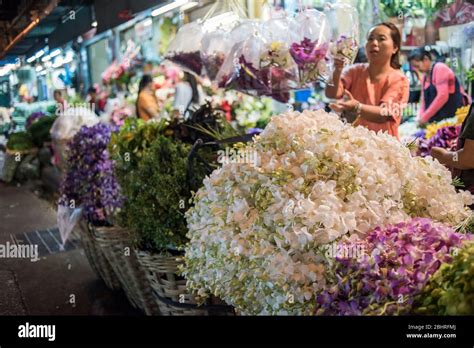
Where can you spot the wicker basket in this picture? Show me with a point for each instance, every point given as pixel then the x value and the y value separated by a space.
pixel 169 290
pixel 96 257
pixel 115 242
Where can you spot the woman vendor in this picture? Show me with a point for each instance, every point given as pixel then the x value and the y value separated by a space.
pixel 442 94
pixel 374 92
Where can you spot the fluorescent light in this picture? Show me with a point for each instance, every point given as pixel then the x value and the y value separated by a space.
pixel 39 54
pixel 58 62
pixel 45 58
pixel 39 68
pixel 147 22
pixel 168 7
pixel 189 5
pixel 94 24
pixel 56 52
pixel 31 59
pixel 67 60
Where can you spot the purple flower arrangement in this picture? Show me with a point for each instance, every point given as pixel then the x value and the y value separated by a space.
pixel 191 61
pixel 271 81
pixel 445 137
pixel 35 116
pixel 90 182
pixel 310 57
pixel 396 263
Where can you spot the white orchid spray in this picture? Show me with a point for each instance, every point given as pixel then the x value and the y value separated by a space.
pixel 258 233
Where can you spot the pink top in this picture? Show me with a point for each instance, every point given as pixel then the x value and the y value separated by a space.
pixel 393 89
pixel 444 82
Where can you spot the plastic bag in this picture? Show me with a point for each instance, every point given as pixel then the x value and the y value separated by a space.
pixel 185 49
pixel 215 48
pixel 344 21
pixel 311 46
pixel 262 65
pixel 67 218
pixel 65 127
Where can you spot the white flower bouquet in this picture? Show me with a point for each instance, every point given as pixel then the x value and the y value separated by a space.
pixel 259 232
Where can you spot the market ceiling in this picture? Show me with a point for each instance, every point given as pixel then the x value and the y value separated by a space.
pixel 28 26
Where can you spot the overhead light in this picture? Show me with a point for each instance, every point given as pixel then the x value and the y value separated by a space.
pixel 46 58
pixel 39 54
pixel 94 24
pixel 58 62
pixel 4 70
pixel 31 59
pixel 56 52
pixel 169 7
pixel 67 60
pixel 189 5
pixel 147 22
pixel 39 68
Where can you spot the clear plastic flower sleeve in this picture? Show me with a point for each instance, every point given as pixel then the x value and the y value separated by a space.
pixel 185 49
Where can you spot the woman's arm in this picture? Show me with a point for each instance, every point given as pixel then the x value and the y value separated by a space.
pixel 442 75
pixel 336 90
pixel 462 159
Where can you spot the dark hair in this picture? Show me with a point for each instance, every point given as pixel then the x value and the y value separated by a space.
pixel 57 92
pixel 91 90
pixel 419 54
pixel 193 82
pixel 145 81
pixel 397 41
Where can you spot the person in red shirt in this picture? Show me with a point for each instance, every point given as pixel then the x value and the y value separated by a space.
pixel 442 93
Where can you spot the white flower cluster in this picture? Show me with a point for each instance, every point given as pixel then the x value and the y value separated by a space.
pixel 258 235
pixel 345 48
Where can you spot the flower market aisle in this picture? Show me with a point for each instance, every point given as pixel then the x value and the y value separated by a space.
pixel 50 285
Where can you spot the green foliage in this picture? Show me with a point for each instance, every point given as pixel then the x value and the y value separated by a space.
pixel 393 8
pixel 129 144
pixel 20 142
pixel 39 130
pixel 451 289
pixel 158 195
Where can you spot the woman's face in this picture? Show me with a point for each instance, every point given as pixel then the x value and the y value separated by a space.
pixel 380 47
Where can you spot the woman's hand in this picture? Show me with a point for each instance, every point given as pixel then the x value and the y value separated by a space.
pixel 440 154
pixel 347 103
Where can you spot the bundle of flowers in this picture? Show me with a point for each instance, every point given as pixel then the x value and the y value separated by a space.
pixel 90 181
pixel 345 48
pixel 432 128
pixel 310 56
pixel 451 290
pixel 120 114
pixel 392 266
pixel 259 223
pixel 268 80
pixel 121 72
pixel 185 49
pixel 446 137
pixel 251 112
